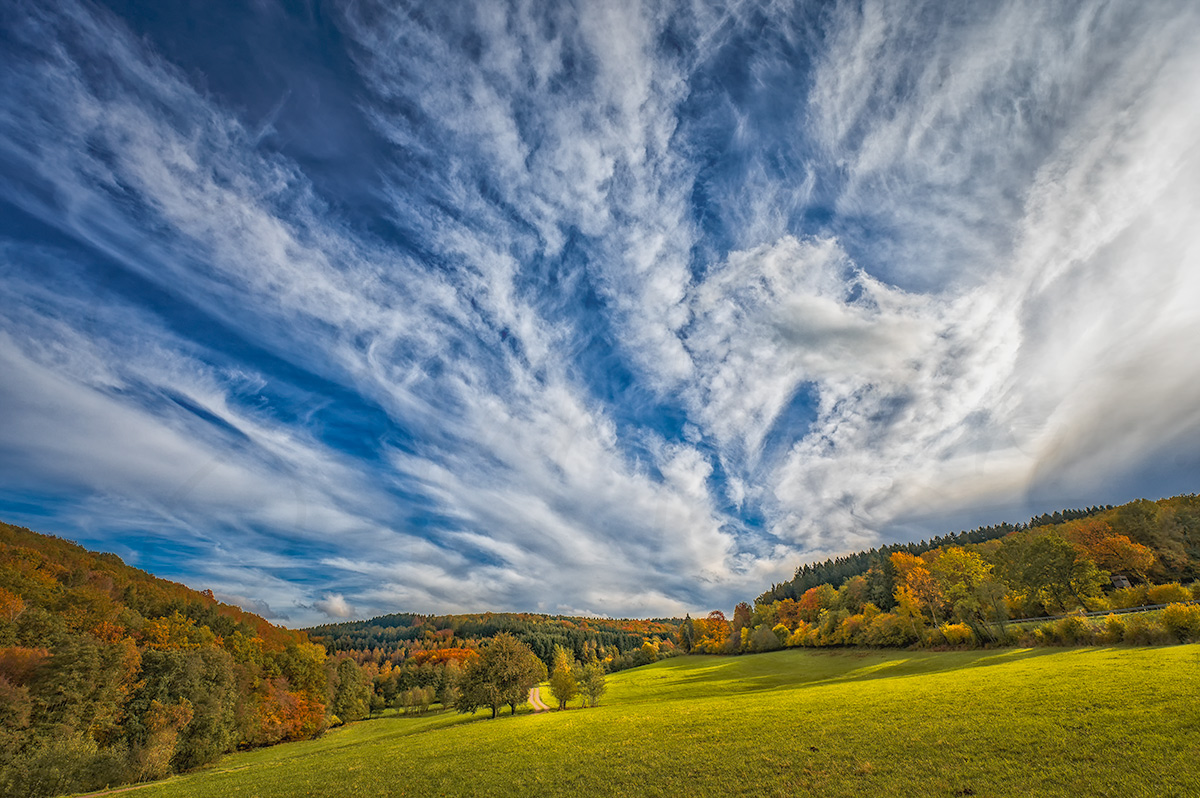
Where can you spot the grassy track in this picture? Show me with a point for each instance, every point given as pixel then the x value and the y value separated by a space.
pixel 1069 722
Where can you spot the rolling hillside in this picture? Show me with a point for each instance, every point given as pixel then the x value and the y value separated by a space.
pixel 1015 722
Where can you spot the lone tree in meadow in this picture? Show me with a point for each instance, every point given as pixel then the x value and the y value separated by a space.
pixel 592 682
pixel 563 684
pixel 502 674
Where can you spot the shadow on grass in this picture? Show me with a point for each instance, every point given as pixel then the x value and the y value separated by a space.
pixel 835 666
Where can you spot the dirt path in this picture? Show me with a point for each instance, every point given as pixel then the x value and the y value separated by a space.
pixel 535 698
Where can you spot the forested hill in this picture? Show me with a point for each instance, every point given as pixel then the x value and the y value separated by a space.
pixel 109 674
pixel 837 570
pixel 403 636
pixel 73 590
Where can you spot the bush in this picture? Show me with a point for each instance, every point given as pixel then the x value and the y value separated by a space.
pixel 957 634
pixel 1182 621
pixel 68 764
pixel 1126 597
pixel 1114 629
pixel 1074 630
pixel 1168 593
pixel 1010 636
pixel 850 631
pixel 763 638
pixel 888 629
pixel 1142 631
pixel 810 636
pixel 796 638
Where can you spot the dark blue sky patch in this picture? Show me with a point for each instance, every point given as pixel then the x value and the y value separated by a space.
pixel 792 423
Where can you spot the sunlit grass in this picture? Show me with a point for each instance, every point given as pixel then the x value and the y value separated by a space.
pixel 1077 722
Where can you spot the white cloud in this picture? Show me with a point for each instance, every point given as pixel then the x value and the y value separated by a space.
pixel 1019 311
pixel 335 606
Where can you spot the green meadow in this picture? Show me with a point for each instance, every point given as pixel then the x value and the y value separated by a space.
pixel 1072 722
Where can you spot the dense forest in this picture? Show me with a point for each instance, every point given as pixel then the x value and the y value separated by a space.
pixel 109 675
pixel 404 636
pixel 974 588
pixel 839 569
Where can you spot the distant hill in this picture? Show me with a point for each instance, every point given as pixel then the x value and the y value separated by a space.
pixel 87 589
pixel 109 674
pixel 1168 525
pixel 401 636
pixel 1073 568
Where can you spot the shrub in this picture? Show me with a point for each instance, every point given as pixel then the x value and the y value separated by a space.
pixel 67 764
pixel 1143 631
pixel 1126 597
pixel 888 629
pixel 796 638
pixel 1168 593
pixel 1182 621
pixel 1114 629
pixel 957 634
pixel 850 631
pixel 763 638
pixel 1010 636
pixel 1073 630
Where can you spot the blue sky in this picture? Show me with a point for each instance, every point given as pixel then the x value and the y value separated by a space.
pixel 603 307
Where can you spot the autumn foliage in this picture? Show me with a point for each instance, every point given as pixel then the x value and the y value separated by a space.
pixel 128 677
pixel 968 590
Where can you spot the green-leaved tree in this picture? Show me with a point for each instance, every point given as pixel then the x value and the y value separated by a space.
pixel 503 674
pixel 592 682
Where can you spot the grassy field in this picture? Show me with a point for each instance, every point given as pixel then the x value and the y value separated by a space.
pixel 1070 722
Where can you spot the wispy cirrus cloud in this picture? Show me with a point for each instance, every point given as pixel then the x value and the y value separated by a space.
pixel 648 301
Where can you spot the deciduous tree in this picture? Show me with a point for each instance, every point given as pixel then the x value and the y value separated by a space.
pixel 563 684
pixel 503 674
pixel 593 682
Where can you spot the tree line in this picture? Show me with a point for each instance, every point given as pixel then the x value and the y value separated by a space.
pixel 838 569
pixel 971 588
pixel 401 637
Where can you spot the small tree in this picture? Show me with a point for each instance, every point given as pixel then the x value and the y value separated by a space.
pixel 563 685
pixel 352 695
pixel 687 634
pixel 592 682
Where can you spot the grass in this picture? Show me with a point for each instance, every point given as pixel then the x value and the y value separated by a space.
pixel 1040 722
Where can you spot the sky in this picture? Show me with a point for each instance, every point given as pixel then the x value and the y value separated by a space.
pixel 607 307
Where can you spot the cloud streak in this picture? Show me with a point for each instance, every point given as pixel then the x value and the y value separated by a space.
pixel 653 301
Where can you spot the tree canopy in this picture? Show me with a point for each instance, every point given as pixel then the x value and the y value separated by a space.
pixel 504 673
